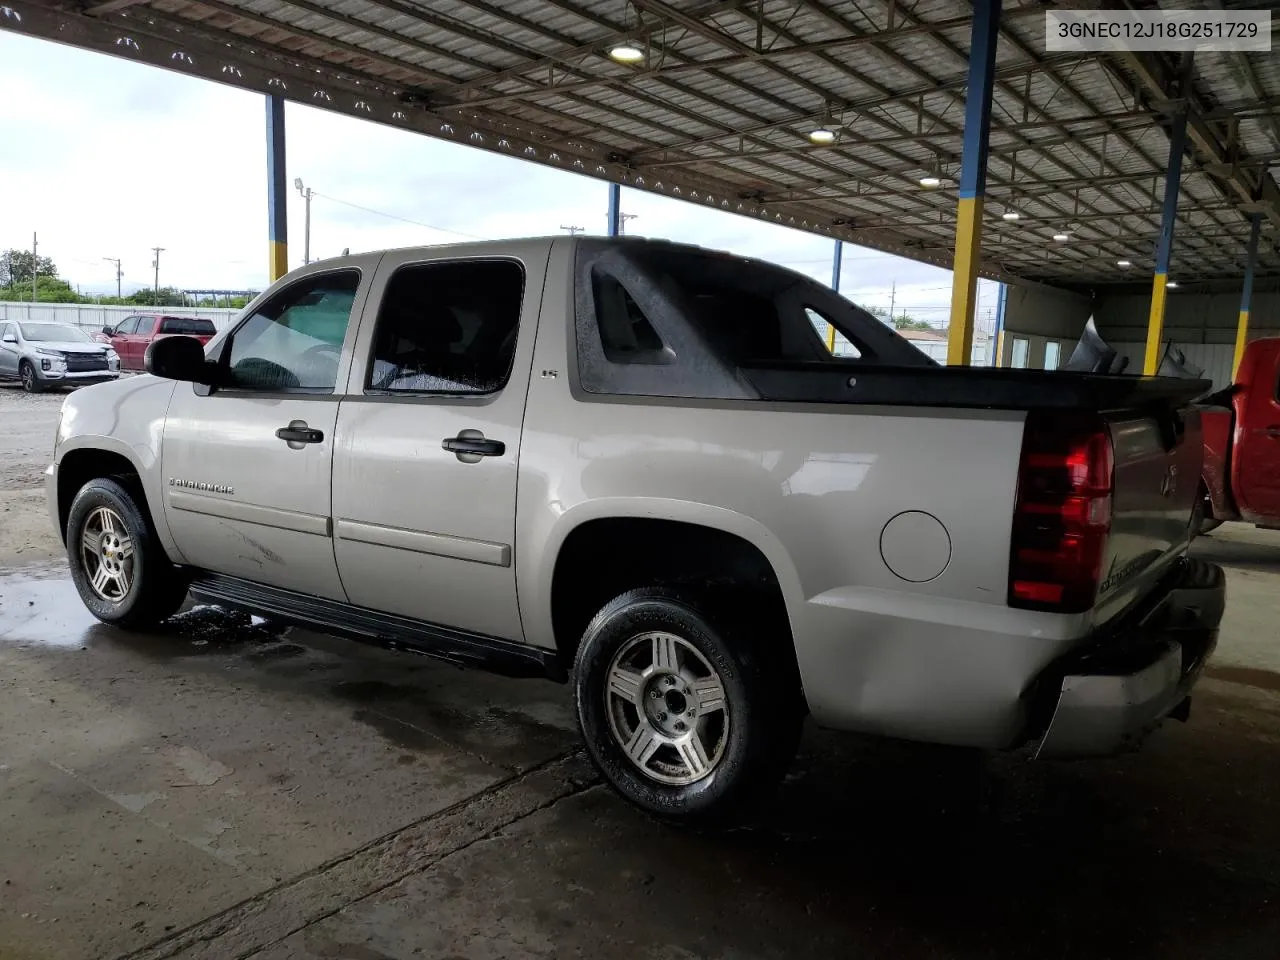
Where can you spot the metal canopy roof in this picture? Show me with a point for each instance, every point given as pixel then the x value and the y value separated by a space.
pixel 719 110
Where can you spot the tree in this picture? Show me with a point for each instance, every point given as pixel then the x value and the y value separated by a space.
pixel 15 268
pixel 879 312
pixel 906 322
pixel 164 297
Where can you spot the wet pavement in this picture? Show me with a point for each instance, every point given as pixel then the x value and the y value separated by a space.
pixel 222 788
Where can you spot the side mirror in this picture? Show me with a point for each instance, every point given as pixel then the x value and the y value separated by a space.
pixel 179 358
pixel 10 338
pixel 108 330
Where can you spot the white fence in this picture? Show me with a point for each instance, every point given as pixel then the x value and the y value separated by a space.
pixel 94 317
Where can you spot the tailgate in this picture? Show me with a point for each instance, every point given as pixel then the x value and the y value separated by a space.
pixel 1158 457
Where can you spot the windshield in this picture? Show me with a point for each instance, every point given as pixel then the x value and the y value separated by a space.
pixel 54 333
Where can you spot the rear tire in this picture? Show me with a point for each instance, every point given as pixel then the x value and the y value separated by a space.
pixel 27 374
pixel 117 562
pixel 679 709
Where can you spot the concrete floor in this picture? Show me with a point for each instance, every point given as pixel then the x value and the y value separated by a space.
pixel 216 791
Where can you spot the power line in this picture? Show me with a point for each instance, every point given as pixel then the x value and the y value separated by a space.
pixel 392 216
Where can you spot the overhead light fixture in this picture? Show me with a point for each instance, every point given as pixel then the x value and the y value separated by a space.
pixel 626 52
pixel 1123 263
pixel 1062 236
pixel 930 181
pixel 1171 284
pixel 822 135
pixel 1010 215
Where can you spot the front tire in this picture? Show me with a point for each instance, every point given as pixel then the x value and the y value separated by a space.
pixel 27 373
pixel 117 562
pixel 677 710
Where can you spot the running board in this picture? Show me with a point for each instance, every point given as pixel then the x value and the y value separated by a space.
pixel 389 630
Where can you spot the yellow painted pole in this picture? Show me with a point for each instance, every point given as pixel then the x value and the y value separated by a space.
pixel 1164 251
pixel 973 180
pixel 964 284
pixel 1246 295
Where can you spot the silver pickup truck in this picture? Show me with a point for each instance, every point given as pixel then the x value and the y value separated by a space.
pixel 635 466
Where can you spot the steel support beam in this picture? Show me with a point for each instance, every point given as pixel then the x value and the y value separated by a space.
pixel 615 210
pixel 1164 249
pixel 837 256
pixel 277 210
pixel 997 341
pixel 973 180
pixel 1246 295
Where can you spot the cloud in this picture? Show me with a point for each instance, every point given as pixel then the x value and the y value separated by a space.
pixel 109 158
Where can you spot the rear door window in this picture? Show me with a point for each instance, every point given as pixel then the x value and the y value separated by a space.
pixel 447 327
pixel 146 325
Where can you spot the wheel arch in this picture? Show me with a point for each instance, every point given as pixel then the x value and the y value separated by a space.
pixel 611 547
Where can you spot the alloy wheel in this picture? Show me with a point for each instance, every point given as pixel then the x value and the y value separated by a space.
pixel 106 554
pixel 667 708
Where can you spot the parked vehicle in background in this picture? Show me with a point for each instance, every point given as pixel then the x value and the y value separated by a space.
pixel 635 466
pixel 1241 477
pixel 43 355
pixel 131 336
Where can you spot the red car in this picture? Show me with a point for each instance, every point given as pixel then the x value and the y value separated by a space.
pixel 1241 426
pixel 131 336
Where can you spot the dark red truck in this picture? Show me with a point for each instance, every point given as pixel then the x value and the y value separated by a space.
pixel 1241 426
pixel 131 336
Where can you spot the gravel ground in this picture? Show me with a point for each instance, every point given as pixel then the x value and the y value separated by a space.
pixel 27 425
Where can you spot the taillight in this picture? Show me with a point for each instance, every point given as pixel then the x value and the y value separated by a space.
pixel 1062 515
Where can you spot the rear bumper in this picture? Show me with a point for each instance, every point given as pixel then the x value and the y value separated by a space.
pixel 1125 682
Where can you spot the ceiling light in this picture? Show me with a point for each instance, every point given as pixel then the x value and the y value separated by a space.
pixel 1123 263
pixel 930 181
pixel 1010 215
pixel 822 135
pixel 1062 236
pixel 626 53
pixel 1172 284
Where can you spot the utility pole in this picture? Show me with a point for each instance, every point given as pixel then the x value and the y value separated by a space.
pixel 155 296
pixel 622 221
pixel 119 273
pixel 306 233
pixel 35 267
pixel 893 293
pixel 573 231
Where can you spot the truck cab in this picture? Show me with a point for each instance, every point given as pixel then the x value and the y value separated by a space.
pixel 1241 427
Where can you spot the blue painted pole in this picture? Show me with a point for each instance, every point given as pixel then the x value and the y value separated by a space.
pixel 1164 251
pixel 277 211
pixel 835 266
pixel 973 180
pixel 1246 295
pixel 615 210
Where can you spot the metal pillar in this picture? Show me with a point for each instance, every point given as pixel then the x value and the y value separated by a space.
pixel 835 285
pixel 1159 283
pixel 973 180
pixel 615 210
pixel 997 336
pixel 1246 295
pixel 277 219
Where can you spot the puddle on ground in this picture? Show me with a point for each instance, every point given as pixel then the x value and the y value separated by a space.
pixel 1249 676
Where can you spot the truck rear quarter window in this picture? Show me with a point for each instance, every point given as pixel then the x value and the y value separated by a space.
pixel 188 326
pixel 660 319
pixel 447 327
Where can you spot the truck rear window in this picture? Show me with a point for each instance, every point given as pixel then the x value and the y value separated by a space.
pixel 188 326
pixel 661 319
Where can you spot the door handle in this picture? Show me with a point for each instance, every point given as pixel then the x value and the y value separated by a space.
pixel 475 446
pixel 1273 431
pixel 298 432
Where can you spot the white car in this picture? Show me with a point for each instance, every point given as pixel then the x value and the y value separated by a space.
pixel 43 355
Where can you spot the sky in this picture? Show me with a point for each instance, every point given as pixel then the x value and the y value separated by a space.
pixel 102 157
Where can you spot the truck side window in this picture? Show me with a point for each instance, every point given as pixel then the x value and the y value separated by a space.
pixel 294 341
pixel 128 326
pixel 146 325
pixel 447 327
